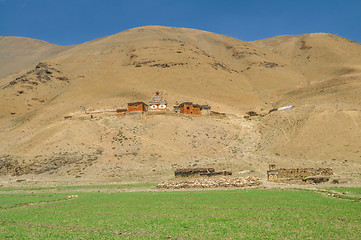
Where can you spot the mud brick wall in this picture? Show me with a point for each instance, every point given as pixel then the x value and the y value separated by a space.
pixel 303 172
pixel 136 107
pixel 190 109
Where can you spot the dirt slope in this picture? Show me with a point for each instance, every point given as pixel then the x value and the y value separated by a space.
pixel 324 124
pixel 318 56
pixel 18 53
pixel 318 73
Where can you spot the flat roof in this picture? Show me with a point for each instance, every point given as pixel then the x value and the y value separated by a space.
pixel 133 103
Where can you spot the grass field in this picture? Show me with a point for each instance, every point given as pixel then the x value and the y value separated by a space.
pixel 83 187
pixel 348 191
pixel 231 214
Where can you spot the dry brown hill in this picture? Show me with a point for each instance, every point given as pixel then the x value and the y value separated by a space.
pixel 18 53
pixel 318 56
pixel 318 73
pixel 324 125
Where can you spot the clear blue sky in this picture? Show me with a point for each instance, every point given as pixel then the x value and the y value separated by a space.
pixel 66 22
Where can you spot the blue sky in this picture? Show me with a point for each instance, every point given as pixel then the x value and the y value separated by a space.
pixel 66 22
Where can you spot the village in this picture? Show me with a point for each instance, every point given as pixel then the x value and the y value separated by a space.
pixel 158 105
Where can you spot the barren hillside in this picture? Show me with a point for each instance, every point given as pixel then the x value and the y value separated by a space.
pixel 324 125
pixel 320 74
pixel 18 53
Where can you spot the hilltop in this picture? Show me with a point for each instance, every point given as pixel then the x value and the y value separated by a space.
pixel 18 53
pixel 41 83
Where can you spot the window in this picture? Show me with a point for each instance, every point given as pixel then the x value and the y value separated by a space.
pixel 187 108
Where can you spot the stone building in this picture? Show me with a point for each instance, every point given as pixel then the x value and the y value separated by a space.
pixel 272 173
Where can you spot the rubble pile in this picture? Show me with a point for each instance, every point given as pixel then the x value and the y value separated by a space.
pixel 213 182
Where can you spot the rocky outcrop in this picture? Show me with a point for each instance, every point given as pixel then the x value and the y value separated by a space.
pixel 11 165
pixel 41 74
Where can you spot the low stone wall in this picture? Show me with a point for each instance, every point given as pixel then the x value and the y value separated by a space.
pixel 191 172
pixel 303 172
pixel 216 173
pixel 213 182
pixel 316 179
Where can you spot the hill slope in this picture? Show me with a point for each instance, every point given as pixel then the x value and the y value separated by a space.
pixel 318 73
pixel 18 53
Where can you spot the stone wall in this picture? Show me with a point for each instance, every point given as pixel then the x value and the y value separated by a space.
pixel 303 172
pixel 196 172
pixel 191 172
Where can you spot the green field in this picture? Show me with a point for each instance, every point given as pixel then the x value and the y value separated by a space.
pixel 232 214
pixel 348 191
pixel 84 187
